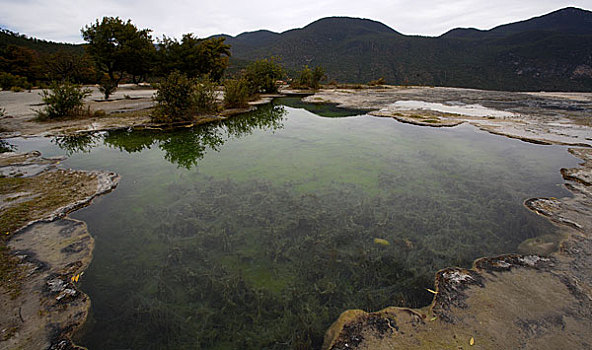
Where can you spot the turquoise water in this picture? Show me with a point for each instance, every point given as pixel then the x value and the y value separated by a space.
pixel 258 232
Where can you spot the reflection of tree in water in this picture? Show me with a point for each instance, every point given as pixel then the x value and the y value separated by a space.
pixel 131 141
pixel 264 118
pixel 186 148
pixel 78 143
pixel 182 147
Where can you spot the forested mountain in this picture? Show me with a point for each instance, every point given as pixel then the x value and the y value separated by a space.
pixel 8 38
pixel 551 52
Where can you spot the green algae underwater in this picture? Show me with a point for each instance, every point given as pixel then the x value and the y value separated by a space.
pixel 257 232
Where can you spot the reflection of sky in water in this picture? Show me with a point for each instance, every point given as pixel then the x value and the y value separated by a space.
pixel 474 110
pixel 259 232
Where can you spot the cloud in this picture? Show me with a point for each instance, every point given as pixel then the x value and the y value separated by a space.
pixel 61 20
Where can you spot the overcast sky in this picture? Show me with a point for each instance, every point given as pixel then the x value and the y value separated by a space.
pixel 61 20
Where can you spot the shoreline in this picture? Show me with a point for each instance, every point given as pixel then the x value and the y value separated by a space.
pixel 393 326
pixel 45 306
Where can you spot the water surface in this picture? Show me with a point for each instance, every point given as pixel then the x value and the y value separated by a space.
pixel 258 232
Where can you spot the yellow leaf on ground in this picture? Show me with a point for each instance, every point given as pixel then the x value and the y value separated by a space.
pixel 381 241
pixel 472 341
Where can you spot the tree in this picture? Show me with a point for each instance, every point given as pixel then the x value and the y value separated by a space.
pixel 21 61
pixel 193 57
pixel 179 98
pixel 309 78
pixel 65 65
pixel 118 47
pixel 236 93
pixel 214 55
pixel 262 75
pixel 174 99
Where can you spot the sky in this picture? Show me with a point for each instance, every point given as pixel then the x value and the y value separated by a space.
pixel 61 20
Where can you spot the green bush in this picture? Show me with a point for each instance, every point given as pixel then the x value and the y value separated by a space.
pixel 204 95
pixel 63 100
pixel 13 82
pixel 309 78
pixel 236 93
pixel 179 98
pixel 173 99
pixel 262 75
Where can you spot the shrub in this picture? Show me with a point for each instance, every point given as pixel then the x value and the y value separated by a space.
pixel 261 76
pixel 13 82
pixel 204 95
pixel 179 98
pixel 236 93
pixel 309 78
pixel 173 99
pixel 64 100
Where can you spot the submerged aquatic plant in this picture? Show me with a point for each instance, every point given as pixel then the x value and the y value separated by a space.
pixel 232 255
pixel 254 265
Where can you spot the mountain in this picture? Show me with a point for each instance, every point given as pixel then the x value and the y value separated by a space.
pixel 42 46
pixel 569 20
pixel 550 52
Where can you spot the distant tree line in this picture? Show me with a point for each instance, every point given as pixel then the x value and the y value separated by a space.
pixel 116 51
pixel 188 73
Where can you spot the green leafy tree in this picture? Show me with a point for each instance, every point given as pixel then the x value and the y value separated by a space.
pixel 118 47
pixel 66 65
pixel 179 98
pixel 236 93
pixel 63 100
pixel 262 75
pixel 174 99
pixel 193 57
pixel 8 81
pixel 21 61
pixel 214 55
pixel 205 95
pixel 309 78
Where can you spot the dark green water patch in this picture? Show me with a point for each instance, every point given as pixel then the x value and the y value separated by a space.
pixel 328 110
pixel 256 233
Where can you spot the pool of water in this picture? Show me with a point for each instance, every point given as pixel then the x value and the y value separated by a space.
pixel 256 233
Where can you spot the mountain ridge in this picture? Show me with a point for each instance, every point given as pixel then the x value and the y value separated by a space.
pixel 548 52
